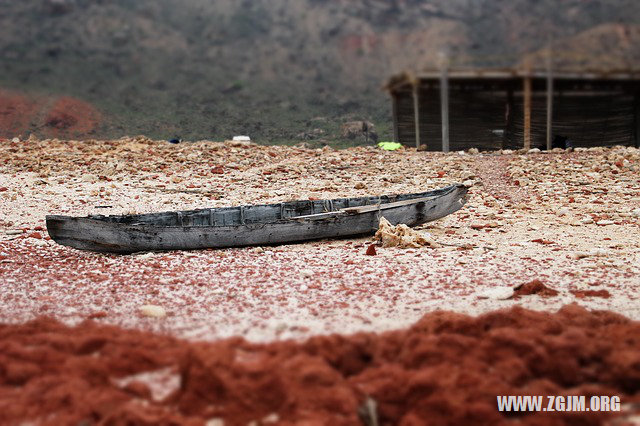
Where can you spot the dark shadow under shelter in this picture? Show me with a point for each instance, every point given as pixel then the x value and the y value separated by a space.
pixel 513 109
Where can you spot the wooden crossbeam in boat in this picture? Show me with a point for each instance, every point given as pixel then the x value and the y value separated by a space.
pixel 364 209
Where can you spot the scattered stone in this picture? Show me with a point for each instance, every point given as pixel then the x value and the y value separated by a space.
pixel 582 255
pixel 534 151
pixel 359 185
pixel 581 294
pixel 499 293
pixel 371 250
pixel 271 418
pixel 534 287
pixel 473 151
pixel 604 222
pixel 153 311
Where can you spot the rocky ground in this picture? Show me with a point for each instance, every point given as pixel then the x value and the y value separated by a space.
pixel 569 220
pixel 541 231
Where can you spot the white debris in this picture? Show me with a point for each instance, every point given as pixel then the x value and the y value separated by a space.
pixel 498 293
pixel 402 236
pixel 241 139
pixel 153 311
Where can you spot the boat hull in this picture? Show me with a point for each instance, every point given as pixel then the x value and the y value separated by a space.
pixel 86 233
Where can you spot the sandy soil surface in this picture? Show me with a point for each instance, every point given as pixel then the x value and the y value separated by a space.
pixel 569 220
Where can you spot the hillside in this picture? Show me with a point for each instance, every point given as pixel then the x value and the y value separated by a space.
pixel 279 70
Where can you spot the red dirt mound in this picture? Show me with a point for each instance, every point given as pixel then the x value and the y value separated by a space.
pixel 447 368
pixel 71 117
pixel 16 112
pixel 45 116
pixel 534 287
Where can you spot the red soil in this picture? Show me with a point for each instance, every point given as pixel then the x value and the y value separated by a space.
pixel 534 287
pixel 67 117
pixel 70 116
pixel 581 294
pixel 16 112
pixel 447 368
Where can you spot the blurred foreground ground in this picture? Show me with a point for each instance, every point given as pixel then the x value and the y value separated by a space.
pixel 569 220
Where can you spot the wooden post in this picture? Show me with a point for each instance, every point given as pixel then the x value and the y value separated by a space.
pixel 527 111
pixel 416 110
pixel 549 99
pixel 508 119
pixel 394 103
pixel 549 109
pixel 636 118
pixel 444 108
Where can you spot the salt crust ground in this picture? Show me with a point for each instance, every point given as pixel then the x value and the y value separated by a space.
pixel 567 219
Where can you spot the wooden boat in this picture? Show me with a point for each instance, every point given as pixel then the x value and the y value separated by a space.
pixel 287 222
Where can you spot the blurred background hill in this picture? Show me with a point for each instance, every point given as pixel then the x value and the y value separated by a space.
pixel 280 71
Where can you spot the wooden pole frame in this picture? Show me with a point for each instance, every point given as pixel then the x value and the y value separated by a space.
pixel 549 96
pixel 396 130
pixel 636 117
pixel 527 111
pixel 549 109
pixel 416 110
pixel 444 108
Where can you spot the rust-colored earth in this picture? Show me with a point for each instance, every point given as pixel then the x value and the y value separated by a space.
pixel 448 368
pixel 59 117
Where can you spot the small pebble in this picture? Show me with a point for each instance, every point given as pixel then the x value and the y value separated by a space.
pixel 153 311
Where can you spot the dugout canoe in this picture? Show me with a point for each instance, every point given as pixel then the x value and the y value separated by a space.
pixel 267 224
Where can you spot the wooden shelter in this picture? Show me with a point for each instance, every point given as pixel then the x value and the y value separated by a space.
pixel 512 109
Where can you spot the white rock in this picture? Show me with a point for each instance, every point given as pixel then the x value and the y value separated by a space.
pixel 473 151
pixel 271 418
pixel 507 151
pixel 499 293
pixel 636 213
pixel 306 273
pixel 533 150
pixel 15 140
pixel 605 222
pixel 215 422
pixel 242 138
pixel 153 311
pixel 592 253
